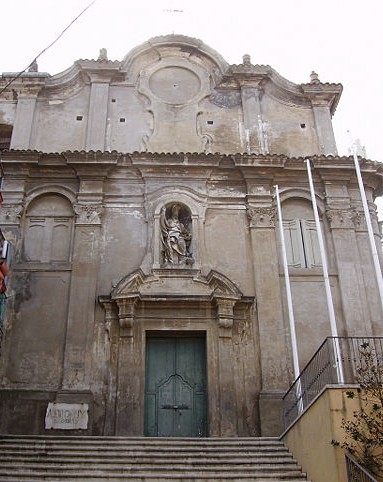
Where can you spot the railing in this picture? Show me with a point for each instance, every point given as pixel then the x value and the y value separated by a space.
pixel 335 363
pixel 356 473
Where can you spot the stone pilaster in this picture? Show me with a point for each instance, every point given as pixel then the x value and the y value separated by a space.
pixel 272 339
pixel 252 118
pixel 324 98
pixel 227 397
pixel 22 128
pixel 367 266
pixel 353 295
pixel 97 117
pixel 85 262
pixel 11 211
pixel 324 129
pixel 111 357
pixel 131 375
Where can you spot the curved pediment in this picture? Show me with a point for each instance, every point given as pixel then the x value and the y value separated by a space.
pixel 160 48
pixel 171 284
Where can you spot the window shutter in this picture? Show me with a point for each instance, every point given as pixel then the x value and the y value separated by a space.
pixel 311 244
pixel 293 242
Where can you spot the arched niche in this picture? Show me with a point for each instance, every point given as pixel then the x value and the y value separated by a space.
pixel 191 213
pixel 293 208
pixel 48 228
pixel 176 235
pixel 298 203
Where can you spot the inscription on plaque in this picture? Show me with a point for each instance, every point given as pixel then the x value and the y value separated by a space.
pixel 67 416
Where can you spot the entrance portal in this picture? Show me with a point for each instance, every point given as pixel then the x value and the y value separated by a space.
pixel 175 392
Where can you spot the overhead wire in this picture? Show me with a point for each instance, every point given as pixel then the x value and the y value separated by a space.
pixel 48 47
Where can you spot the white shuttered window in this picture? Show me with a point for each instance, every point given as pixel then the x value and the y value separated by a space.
pixel 302 247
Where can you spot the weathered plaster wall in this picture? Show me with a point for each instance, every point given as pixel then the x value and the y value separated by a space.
pixel 90 281
pixel 227 246
pixel 57 125
pixel 167 98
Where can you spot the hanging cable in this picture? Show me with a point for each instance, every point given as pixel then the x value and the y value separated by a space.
pixel 48 47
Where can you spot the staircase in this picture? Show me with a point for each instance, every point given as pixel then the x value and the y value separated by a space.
pixel 80 459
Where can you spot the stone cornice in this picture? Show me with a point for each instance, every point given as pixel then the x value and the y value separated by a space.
pixel 266 78
pixel 323 94
pixel 190 158
pixel 28 84
pixel 173 286
pixel 322 163
pixel 250 166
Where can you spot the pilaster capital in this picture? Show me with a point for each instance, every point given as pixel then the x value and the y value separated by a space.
pixel 360 222
pixel 88 213
pixel 249 91
pixel 340 218
pixel 262 217
pixel 10 214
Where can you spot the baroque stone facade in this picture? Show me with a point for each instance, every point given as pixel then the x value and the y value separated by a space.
pixel 147 280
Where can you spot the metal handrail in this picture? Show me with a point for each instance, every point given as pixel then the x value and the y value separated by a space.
pixel 323 369
pixel 356 472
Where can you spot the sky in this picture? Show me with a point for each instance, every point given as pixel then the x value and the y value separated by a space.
pixel 341 40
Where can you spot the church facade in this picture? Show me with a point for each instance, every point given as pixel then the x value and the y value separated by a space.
pixel 147 284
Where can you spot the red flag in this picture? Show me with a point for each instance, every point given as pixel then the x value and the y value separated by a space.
pixel 4 271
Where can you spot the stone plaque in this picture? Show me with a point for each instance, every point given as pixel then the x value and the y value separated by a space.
pixel 67 416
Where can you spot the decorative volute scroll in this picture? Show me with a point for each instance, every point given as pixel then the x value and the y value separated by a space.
pixel 174 285
pixel 262 217
pixel 126 314
pixel 225 314
pixel 110 313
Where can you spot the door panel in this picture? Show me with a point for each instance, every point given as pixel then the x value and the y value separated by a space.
pixel 175 397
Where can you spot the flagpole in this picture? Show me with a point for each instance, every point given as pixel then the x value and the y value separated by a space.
pixel 330 304
pixel 375 257
pixel 293 334
pixel 288 289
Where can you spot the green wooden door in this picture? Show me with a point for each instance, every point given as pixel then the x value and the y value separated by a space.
pixel 175 395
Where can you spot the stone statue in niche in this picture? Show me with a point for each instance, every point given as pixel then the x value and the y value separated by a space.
pixel 176 235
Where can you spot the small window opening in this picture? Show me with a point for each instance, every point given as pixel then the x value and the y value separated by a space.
pixel 303 126
pixel 122 119
pixel 79 118
pixel 113 100
pixel 210 122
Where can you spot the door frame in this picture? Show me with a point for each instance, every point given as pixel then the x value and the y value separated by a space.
pixel 178 334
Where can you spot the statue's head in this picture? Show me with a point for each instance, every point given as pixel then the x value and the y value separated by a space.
pixel 175 210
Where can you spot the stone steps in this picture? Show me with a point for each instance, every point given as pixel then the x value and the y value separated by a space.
pixel 59 458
